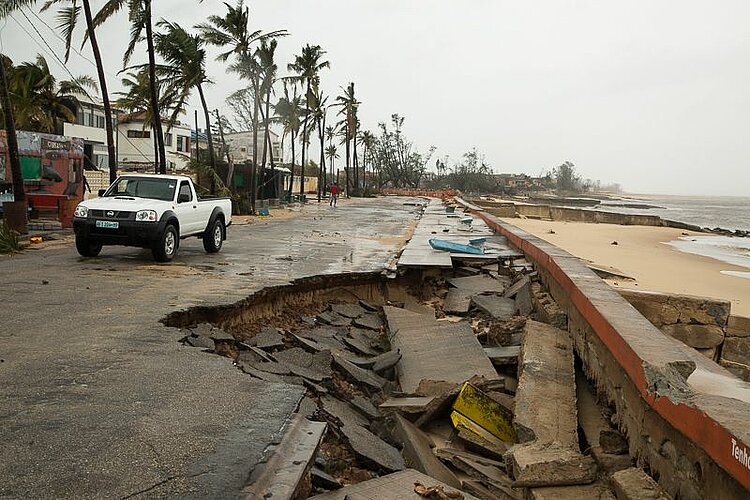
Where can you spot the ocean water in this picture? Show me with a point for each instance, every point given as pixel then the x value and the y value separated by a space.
pixel 726 212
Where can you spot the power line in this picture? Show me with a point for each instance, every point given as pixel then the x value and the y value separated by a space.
pixel 56 34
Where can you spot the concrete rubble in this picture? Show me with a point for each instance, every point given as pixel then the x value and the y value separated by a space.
pixel 465 375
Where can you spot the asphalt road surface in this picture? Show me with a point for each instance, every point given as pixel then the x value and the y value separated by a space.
pixel 99 399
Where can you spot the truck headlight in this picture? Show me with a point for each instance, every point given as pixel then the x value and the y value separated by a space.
pixel 145 216
pixel 81 212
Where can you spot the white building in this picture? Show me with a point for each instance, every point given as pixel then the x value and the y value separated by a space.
pixel 240 146
pixel 135 143
pixel 90 126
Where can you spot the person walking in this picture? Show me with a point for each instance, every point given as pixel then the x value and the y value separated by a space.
pixel 334 194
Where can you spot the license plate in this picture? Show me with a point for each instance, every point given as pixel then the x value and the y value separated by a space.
pixel 107 224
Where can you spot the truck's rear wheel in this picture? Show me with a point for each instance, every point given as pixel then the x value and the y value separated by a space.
pixel 87 247
pixel 165 248
pixel 213 238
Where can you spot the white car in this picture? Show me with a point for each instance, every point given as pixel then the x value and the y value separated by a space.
pixel 151 211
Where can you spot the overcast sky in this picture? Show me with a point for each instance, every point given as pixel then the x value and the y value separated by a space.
pixel 652 95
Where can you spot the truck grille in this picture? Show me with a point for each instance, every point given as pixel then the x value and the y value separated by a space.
pixel 112 215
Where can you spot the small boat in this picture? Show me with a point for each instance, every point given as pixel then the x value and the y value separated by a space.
pixel 449 246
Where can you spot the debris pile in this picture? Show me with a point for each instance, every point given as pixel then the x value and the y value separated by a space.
pixel 465 389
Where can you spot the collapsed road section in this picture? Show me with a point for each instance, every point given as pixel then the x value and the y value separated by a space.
pixel 468 377
pixel 443 382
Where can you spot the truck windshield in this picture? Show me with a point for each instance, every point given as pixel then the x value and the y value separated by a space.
pixel 143 187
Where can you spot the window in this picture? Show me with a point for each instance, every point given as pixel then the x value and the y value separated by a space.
pixel 80 116
pixel 139 134
pixel 99 121
pixel 185 194
pixel 183 144
pixel 167 139
pixel 154 188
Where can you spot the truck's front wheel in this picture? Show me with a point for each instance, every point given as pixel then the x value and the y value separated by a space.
pixel 87 247
pixel 213 238
pixel 166 246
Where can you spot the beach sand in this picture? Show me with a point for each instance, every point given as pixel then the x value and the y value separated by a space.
pixel 642 253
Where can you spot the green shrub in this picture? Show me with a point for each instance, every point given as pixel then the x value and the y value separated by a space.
pixel 9 242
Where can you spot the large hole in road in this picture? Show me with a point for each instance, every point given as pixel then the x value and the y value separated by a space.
pixel 336 336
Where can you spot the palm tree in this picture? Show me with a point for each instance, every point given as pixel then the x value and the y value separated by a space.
pixel 307 65
pixel 318 110
pixel 185 69
pixel 137 99
pixel 139 14
pixel 40 102
pixel 332 154
pixel 232 33
pixel 349 104
pixel 367 138
pixel 68 19
pixel 288 112
pixel 19 195
pixel 268 67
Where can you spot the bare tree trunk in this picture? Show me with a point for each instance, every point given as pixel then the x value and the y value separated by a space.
pixel 323 171
pixel 230 165
pixel 304 138
pixel 154 93
pixel 211 152
pixel 10 128
pixel 291 178
pixel 111 151
pixel 253 173
pixel 355 160
pixel 346 169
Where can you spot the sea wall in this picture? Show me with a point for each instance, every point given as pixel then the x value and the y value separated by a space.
pixel 702 323
pixel 549 212
pixel 685 416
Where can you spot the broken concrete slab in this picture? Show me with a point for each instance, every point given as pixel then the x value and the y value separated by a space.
pixel 505 400
pixel 538 464
pixel 524 301
pixel 473 404
pixel 386 361
pixel 343 411
pixel 365 407
pixel 517 287
pixel 408 405
pixel 333 319
pixel 435 351
pixel 545 408
pixel 635 484
pixel 546 310
pixel 494 449
pixel 369 321
pixel 361 375
pixel 480 284
pixel 201 341
pixel 319 363
pixel 267 338
pixel 503 355
pixel 321 340
pixel 419 308
pixel 367 306
pixel 359 346
pixel 594 423
pixel 594 491
pixel 348 310
pixel 457 302
pixel 323 480
pixel 492 477
pixel 417 451
pixel 371 449
pixel 397 486
pixel 284 472
pixel 307 407
pixel 545 412
pixel 499 308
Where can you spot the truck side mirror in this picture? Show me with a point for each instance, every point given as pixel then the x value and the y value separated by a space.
pixel 101 192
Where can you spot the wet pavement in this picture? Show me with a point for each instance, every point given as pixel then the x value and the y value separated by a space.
pixel 98 399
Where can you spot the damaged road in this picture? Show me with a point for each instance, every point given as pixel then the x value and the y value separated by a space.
pixel 99 399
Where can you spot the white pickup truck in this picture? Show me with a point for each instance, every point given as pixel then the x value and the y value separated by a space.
pixel 151 211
